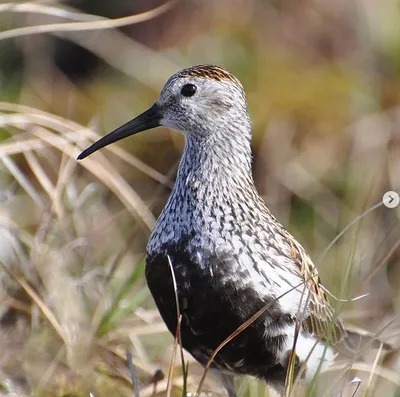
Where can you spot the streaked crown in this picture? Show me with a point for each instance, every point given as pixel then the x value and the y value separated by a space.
pixel 211 72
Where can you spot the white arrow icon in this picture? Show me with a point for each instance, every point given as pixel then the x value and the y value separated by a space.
pixel 391 199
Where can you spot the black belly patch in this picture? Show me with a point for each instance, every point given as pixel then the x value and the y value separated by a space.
pixel 213 307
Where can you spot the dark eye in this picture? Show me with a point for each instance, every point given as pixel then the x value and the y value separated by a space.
pixel 188 90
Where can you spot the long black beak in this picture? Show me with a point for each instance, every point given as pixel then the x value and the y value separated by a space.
pixel 145 121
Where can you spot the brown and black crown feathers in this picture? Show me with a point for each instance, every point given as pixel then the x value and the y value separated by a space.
pixel 212 72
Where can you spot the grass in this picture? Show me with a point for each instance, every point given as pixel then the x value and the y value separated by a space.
pixel 73 299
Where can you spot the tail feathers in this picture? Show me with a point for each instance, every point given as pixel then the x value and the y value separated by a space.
pixel 358 341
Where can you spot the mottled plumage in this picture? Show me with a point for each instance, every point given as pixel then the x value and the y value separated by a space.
pixel 229 255
pixel 211 72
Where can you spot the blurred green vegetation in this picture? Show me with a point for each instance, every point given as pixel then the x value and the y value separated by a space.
pixel 323 85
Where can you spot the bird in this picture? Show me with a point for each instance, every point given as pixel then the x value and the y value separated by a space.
pixel 220 247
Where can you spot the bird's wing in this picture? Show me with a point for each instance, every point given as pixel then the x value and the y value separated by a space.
pixel 321 320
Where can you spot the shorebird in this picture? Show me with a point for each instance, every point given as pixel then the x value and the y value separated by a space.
pixel 230 256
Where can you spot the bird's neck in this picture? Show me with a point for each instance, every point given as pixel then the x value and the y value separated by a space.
pixel 214 179
pixel 211 179
pixel 209 165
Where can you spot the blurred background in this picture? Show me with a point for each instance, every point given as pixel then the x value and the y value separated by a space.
pixel 323 86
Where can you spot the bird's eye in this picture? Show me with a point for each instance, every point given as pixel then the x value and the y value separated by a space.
pixel 188 90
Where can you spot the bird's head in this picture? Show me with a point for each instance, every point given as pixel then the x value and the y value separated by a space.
pixel 201 102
